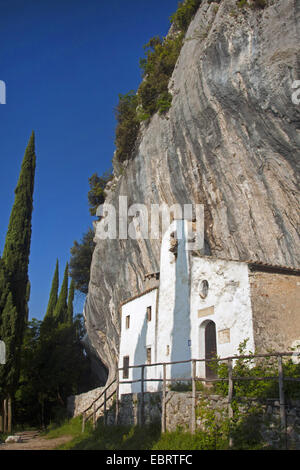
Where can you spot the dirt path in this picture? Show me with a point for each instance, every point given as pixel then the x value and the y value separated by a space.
pixel 31 440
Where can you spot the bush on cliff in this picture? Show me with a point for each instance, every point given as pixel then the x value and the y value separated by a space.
pixel 127 125
pixel 185 13
pixel 153 95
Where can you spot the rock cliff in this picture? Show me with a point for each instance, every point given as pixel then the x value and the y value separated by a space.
pixel 230 141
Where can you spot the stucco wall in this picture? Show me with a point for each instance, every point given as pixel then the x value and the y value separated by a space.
pixel 275 302
pixel 136 339
pixel 174 321
pixel 227 304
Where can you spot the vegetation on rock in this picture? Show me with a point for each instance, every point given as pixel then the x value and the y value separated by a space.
pixel 80 262
pixel 96 194
pixel 153 94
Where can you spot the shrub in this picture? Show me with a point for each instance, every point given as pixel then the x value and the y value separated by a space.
pixel 255 3
pixel 153 94
pixel 264 367
pixel 96 194
pixel 157 68
pixel 260 3
pixel 242 3
pixel 127 125
pixel 185 13
pixel 80 263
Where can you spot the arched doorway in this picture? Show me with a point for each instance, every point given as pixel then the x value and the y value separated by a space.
pixel 210 348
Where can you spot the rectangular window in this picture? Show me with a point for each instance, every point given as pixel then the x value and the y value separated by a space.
pixel 125 367
pixel 149 313
pixel 127 322
pixel 148 355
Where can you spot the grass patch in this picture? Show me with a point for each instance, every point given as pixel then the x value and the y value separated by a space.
pixel 70 427
pixel 106 437
pixel 132 438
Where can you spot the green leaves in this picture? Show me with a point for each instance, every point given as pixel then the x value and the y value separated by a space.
pixel 53 368
pixel 96 195
pixel 53 293
pixel 185 13
pixel 70 302
pixel 14 282
pixel 61 309
pixel 153 95
pixel 80 262
pixel 127 125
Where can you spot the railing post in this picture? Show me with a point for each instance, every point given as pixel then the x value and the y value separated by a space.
pixel 193 430
pixel 83 422
pixel 9 416
pixel 282 399
pixel 94 416
pixel 1 417
pixel 230 396
pixel 164 398
pixel 142 417
pixel 5 413
pixel 117 398
pixel 105 408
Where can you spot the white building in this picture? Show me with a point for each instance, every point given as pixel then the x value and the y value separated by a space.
pixel 204 306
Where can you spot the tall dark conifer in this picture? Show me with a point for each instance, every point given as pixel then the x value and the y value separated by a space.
pixel 70 302
pixel 17 244
pixel 61 309
pixel 53 293
pixel 15 260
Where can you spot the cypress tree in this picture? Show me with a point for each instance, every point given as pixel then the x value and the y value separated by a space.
pixel 17 243
pixel 53 293
pixel 10 370
pixel 4 289
pixel 15 260
pixel 49 322
pixel 70 302
pixel 61 309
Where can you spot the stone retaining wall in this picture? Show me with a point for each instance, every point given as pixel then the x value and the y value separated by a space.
pixel 76 404
pixel 135 411
pixel 179 406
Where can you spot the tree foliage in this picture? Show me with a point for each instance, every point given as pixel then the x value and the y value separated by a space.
pixel 185 13
pixel 70 310
pixel 127 125
pixel 80 262
pixel 61 309
pixel 157 68
pixel 153 94
pixel 14 282
pixel 53 292
pixel 96 194
pixel 54 367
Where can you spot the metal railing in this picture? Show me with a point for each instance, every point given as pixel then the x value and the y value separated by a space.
pixel 280 378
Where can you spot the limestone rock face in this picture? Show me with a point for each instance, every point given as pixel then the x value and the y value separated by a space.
pixel 230 141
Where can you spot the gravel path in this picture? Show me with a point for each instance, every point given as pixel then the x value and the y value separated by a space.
pixel 31 440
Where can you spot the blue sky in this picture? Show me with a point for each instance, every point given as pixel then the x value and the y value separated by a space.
pixel 64 63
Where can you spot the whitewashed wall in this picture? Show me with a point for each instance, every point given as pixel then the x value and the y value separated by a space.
pixel 174 322
pixel 228 304
pixel 135 340
pixel 177 333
